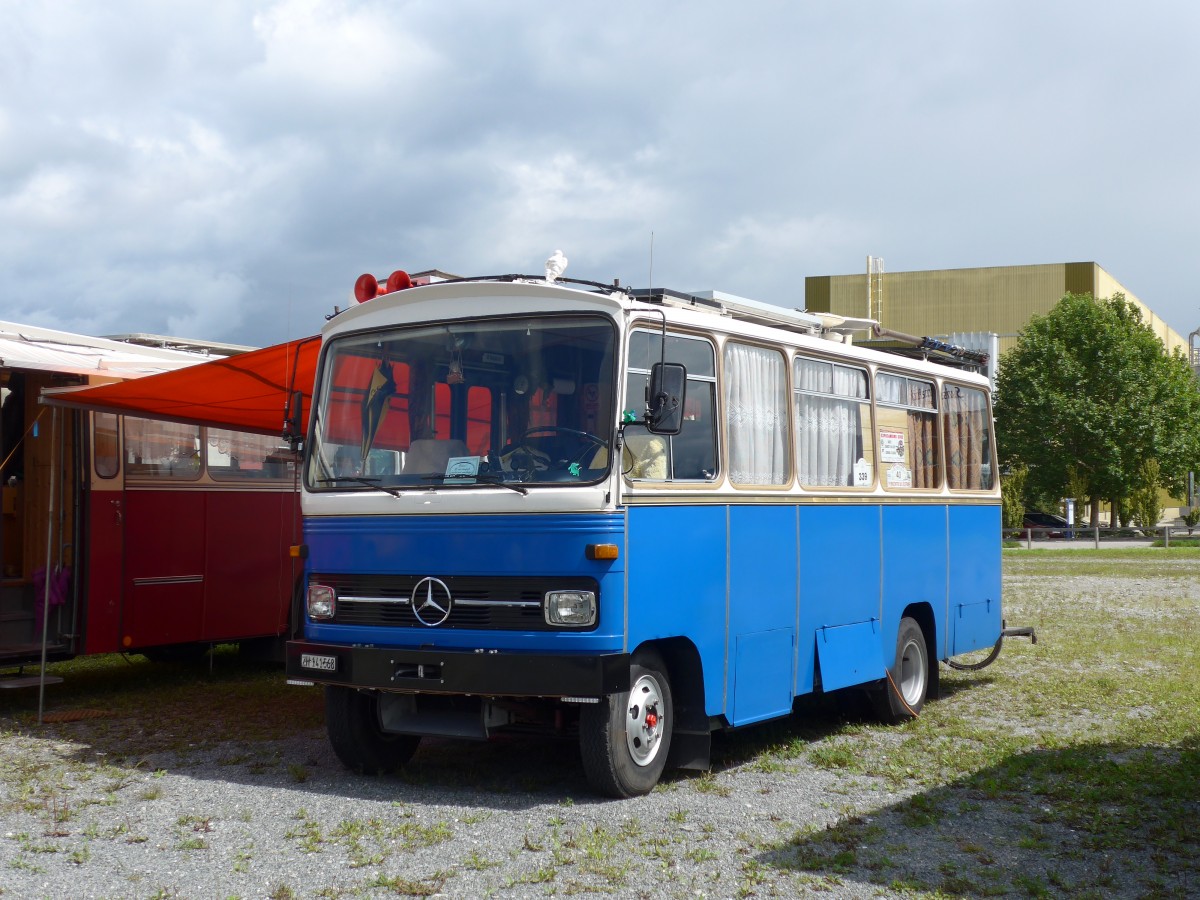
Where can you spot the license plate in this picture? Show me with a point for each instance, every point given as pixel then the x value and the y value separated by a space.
pixel 320 663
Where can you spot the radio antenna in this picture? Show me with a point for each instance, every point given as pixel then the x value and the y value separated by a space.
pixel 662 344
pixel 651 284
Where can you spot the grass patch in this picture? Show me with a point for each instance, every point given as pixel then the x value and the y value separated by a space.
pixel 1067 768
pixel 1086 745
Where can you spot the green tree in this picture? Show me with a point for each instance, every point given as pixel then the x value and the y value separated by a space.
pixel 1012 496
pixel 1144 501
pixel 1088 395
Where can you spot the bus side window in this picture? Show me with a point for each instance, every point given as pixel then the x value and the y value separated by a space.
pixel 690 455
pixel 161 450
pixel 694 449
pixel 756 414
pixel 968 439
pixel 908 434
pixel 237 456
pixel 834 437
pixel 106 454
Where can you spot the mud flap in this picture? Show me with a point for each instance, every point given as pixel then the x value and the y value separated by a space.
pixel 849 654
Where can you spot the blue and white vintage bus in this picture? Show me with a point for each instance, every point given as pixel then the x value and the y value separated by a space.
pixel 638 517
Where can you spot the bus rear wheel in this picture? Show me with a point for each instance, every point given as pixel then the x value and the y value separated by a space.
pixel 624 739
pixel 352 723
pixel 903 692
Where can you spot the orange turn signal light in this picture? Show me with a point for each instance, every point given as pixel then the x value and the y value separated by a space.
pixel 602 551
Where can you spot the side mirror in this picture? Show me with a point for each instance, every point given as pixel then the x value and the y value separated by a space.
pixel 664 403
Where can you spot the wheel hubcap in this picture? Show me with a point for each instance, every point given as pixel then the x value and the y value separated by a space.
pixel 913 673
pixel 646 721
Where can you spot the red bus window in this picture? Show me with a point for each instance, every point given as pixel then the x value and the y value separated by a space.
pixel 236 456
pixel 106 454
pixel 161 450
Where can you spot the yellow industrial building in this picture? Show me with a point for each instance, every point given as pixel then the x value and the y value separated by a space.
pixel 997 299
pixel 973 303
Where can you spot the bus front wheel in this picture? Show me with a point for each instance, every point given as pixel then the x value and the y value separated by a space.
pixel 903 692
pixel 352 722
pixel 625 738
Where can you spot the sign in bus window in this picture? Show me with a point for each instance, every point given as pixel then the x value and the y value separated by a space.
pixel 834 443
pixel 907 428
pixel 968 439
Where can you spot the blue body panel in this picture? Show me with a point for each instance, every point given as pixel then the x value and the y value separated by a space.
pixel 849 654
pixel 914 569
pixel 763 593
pixel 767 594
pixel 975 617
pixel 473 545
pixel 839 583
pixel 676 561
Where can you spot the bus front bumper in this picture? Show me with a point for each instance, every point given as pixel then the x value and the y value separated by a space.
pixel 491 673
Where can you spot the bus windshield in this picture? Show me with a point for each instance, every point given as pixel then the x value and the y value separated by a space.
pixel 513 401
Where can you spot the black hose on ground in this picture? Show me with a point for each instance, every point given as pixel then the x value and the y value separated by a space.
pixel 991 657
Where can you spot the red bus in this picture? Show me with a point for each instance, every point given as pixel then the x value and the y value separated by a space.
pixel 158 538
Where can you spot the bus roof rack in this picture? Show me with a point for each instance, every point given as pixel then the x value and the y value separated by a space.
pixel 738 308
pixel 928 347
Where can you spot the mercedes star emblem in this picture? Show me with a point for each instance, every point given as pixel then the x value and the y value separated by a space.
pixel 431 601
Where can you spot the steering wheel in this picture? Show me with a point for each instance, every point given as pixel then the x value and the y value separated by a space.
pixel 591 439
pixel 562 429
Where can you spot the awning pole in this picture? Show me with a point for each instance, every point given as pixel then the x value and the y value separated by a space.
pixel 49 549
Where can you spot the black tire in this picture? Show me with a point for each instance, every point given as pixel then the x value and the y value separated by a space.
pixel 902 694
pixel 621 761
pixel 352 723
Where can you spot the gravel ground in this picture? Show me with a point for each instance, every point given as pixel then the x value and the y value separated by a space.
pixel 286 820
pixel 137 802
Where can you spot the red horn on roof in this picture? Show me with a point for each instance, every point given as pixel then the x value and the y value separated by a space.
pixel 366 288
pixel 398 281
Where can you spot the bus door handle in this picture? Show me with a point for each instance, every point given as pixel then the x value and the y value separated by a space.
pixel 117 511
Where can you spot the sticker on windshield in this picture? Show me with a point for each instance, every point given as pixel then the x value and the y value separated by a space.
pixel 462 467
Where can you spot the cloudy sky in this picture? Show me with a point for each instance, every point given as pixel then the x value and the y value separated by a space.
pixel 225 170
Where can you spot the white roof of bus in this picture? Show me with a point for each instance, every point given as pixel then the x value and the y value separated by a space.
pixel 425 303
pixel 48 350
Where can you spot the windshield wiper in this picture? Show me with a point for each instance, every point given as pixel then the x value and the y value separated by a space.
pixel 358 479
pixel 486 479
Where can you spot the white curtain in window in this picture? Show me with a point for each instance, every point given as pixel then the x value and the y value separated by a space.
pixel 756 414
pixel 891 389
pixel 828 427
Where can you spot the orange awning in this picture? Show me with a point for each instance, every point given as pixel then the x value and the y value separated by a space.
pixel 247 392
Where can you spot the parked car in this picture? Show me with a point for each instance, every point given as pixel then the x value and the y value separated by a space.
pixel 1046 524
